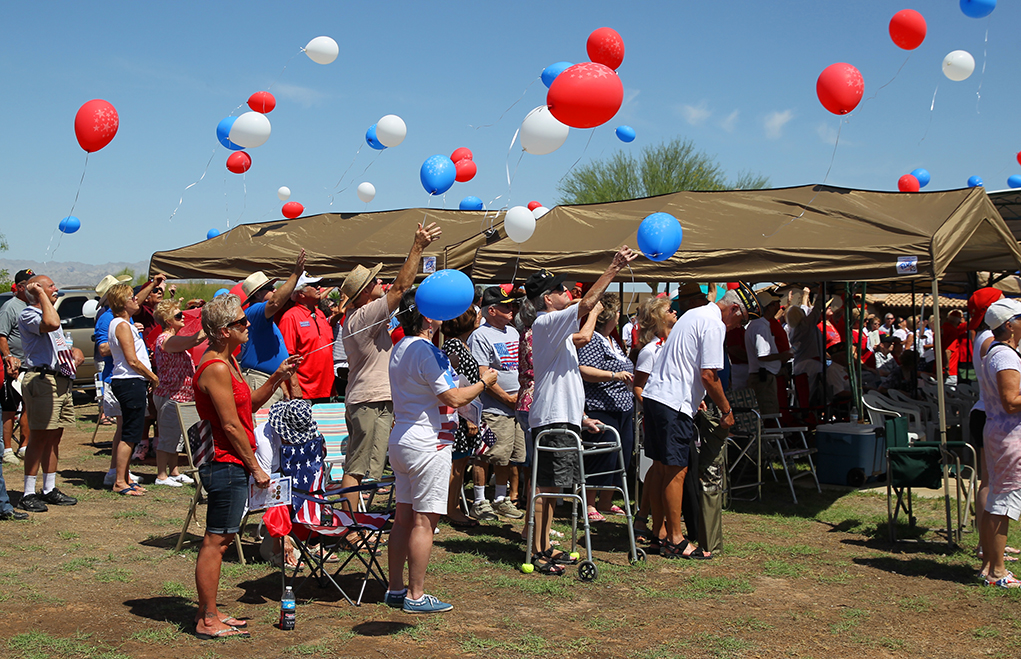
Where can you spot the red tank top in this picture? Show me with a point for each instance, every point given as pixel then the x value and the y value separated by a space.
pixel 223 449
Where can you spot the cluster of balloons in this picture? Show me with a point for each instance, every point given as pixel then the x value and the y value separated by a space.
pixel 438 173
pixel 914 181
pixel 95 125
pixel 445 295
pixel 248 131
pixel 660 236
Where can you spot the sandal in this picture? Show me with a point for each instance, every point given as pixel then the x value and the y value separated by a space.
pixel 643 536
pixel 595 516
pixel 614 510
pixel 227 632
pixel 1008 581
pixel 560 558
pixel 544 565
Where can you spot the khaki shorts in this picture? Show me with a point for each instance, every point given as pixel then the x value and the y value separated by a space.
pixel 510 440
pixel 256 379
pixel 168 425
pixel 368 431
pixel 47 401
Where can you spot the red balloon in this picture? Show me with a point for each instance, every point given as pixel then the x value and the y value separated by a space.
pixel 239 162
pixel 461 154
pixel 464 170
pixel 262 102
pixel 605 47
pixel 532 205
pixel 1019 157
pixel 908 183
pixel 292 209
pixel 585 95
pixel 907 29
pixel 840 88
pixel 95 125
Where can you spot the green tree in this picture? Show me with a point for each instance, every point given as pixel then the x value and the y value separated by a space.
pixel 5 277
pixel 668 167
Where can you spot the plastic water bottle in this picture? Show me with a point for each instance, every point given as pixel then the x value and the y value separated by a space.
pixel 287 609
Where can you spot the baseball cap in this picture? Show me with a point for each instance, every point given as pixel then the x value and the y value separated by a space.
pixel 1001 311
pixel 23 276
pixel 979 302
pixel 495 295
pixel 747 297
pixel 542 282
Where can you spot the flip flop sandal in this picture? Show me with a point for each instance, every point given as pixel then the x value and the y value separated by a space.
pixel 595 516
pixel 1008 581
pixel 614 510
pixel 129 492
pixel 229 632
pixel 234 622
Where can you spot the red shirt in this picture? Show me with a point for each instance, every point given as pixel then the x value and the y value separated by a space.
pixel 223 450
pixel 783 344
pixel 735 346
pixel 304 331
pixel 950 335
pixel 832 335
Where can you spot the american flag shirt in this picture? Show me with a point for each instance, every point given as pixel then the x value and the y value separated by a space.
pixel 419 373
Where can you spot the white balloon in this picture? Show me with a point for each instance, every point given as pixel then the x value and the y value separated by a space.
pixel 90 308
pixel 250 130
pixel 391 130
pixel 366 191
pixel 958 65
pixel 284 193
pixel 321 50
pixel 539 211
pixel 541 132
pixel 519 223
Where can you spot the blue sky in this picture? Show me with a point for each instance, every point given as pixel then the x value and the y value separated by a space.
pixel 736 77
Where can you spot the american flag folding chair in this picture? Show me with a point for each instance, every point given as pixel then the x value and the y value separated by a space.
pixel 322 515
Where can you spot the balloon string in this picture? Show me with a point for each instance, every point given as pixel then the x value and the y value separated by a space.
pixel 508 109
pixel 506 162
pixel 591 133
pixel 181 200
pixel 71 212
pixel 833 156
pixel 978 92
pixel 634 292
pixel 517 259
pixel 244 199
pixel 280 75
pixel 887 84
pixel 349 166
pixel 931 106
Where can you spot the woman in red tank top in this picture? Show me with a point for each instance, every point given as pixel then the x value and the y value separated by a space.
pixel 223 398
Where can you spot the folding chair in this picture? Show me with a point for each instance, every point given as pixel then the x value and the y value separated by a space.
pixel 744 447
pixel 788 445
pixel 333 427
pixel 316 519
pixel 190 422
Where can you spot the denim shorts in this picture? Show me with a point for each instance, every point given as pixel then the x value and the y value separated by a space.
pixel 226 485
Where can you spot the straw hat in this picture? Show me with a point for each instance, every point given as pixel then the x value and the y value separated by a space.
pixel 254 282
pixel 358 279
pixel 108 282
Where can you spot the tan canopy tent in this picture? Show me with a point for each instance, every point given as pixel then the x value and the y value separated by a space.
pixel 807 233
pixel 334 243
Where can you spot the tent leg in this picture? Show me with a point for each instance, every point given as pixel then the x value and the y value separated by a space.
pixel 941 399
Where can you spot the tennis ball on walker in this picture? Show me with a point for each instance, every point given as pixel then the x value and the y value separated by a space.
pixel 575 555
pixel 527 568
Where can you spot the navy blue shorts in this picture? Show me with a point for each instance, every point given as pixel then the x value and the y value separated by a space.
pixel 668 434
pixel 226 485
pixel 132 394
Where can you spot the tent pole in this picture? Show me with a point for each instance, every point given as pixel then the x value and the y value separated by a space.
pixel 917 323
pixel 941 400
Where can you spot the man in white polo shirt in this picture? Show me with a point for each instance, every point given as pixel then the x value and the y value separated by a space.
pixel 682 375
pixel 764 360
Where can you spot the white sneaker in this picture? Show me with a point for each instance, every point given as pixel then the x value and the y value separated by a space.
pixel 184 479
pixel 11 459
pixel 169 481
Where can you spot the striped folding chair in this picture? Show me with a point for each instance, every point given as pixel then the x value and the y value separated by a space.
pixel 333 427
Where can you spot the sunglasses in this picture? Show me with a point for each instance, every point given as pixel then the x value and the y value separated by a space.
pixel 179 315
pixel 240 322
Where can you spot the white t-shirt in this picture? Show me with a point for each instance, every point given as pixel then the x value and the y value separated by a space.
pixel 925 338
pixel 647 357
pixel 421 421
pixel 695 344
pixel 837 378
pixel 901 334
pixel 267 448
pixel 559 391
pixel 979 364
pixel 759 342
pixel 121 369
pixel 629 326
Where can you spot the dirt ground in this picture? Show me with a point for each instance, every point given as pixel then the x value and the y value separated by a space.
pixel 101 580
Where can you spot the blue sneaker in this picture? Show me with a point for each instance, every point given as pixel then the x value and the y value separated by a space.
pixel 395 600
pixel 425 604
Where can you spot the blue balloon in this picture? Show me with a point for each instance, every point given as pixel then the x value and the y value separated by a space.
pixel 978 8
pixel 923 177
pixel 438 173
pixel 659 236
pixel 212 233
pixel 223 133
pixel 221 291
pixel 470 204
pixel 445 295
pixel 975 182
pixel 1014 181
pixel 550 73
pixel 370 138
pixel 625 133
pixel 70 224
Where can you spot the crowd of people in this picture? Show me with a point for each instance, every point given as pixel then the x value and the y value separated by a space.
pixel 430 398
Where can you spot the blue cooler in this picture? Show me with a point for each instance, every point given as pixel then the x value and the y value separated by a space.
pixel 849 453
